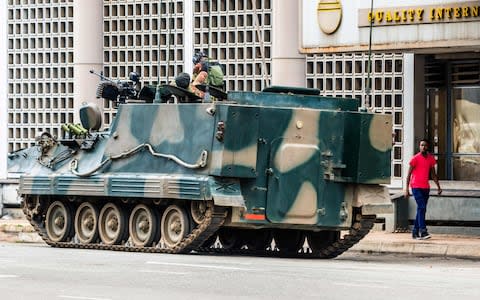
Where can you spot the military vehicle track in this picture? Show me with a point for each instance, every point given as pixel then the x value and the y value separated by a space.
pixel 214 218
pixel 359 230
pixel 201 234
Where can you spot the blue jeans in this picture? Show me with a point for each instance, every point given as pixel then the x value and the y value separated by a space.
pixel 421 197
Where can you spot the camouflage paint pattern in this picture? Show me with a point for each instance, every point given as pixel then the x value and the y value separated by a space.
pixel 278 159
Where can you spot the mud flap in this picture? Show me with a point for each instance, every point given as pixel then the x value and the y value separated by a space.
pixel 226 192
pixel 374 199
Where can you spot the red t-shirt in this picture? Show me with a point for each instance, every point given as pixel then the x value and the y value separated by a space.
pixel 421 170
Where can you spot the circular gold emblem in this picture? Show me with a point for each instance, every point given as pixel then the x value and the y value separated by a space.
pixel 329 15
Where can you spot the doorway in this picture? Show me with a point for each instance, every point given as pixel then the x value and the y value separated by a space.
pixel 452 93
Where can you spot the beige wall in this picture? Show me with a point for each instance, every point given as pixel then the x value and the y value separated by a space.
pixel 408 36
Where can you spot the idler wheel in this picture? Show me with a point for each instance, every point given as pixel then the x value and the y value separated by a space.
pixel 58 221
pixel 112 224
pixel 86 223
pixel 175 225
pixel 143 225
pixel 198 210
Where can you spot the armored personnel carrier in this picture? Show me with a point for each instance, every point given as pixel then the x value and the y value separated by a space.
pixel 281 172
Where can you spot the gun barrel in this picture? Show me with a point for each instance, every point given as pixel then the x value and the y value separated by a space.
pixel 101 76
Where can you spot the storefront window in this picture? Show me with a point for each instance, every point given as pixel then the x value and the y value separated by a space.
pixel 466 133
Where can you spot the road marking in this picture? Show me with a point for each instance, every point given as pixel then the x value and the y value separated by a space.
pixel 165 272
pixel 82 298
pixel 197 266
pixel 361 285
pixel 8 276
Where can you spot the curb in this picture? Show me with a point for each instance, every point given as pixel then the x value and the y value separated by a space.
pixel 441 246
pixel 18 231
pixel 376 242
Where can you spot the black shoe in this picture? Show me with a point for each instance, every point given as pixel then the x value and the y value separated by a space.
pixel 415 235
pixel 424 236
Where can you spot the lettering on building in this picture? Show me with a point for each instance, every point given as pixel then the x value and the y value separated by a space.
pixel 427 14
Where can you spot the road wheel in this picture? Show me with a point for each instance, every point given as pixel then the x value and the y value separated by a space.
pixel 175 225
pixel 143 226
pixel 112 224
pixel 86 223
pixel 322 239
pixel 257 240
pixel 58 221
pixel 230 238
pixel 288 241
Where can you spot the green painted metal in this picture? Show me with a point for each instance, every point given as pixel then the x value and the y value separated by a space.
pixel 292 100
pixel 291 90
pixel 293 158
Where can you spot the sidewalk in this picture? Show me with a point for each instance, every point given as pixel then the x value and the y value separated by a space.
pixel 20 231
pixel 439 245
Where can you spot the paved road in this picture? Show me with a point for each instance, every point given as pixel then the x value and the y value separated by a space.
pixel 36 271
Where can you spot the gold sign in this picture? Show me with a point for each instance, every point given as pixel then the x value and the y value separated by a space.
pixel 428 14
pixel 329 15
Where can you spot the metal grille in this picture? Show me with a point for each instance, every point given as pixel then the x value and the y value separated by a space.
pixel 462 72
pixel 237 33
pixel 345 75
pixel 145 36
pixel 40 69
pixel 466 72
pixel 435 74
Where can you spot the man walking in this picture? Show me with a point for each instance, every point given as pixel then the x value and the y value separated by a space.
pixel 421 166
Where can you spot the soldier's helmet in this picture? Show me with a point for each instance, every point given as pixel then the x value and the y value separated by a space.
pixel 198 57
pixel 182 80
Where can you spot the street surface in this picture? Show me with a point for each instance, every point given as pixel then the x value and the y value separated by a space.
pixel 37 271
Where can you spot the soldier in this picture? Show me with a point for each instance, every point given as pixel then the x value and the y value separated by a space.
pixel 205 72
pixel 199 73
pixel 421 166
pixel 182 80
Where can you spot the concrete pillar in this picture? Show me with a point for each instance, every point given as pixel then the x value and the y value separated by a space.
pixel 88 51
pixel 188 36
pixel 288 65
pixel 408 112
pixel 3 90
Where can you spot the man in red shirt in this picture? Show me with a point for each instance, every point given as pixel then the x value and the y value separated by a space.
pixel 421 166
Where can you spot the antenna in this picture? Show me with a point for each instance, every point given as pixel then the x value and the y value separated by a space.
pixel 209 30
pixel 262 45
pixel 209 7
pixel 168 2
pixel 368 96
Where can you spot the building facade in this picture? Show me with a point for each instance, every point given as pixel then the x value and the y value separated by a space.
pixel 425 72
pixel 424 68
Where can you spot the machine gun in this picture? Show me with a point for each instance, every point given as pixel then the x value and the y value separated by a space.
pixel 122 90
